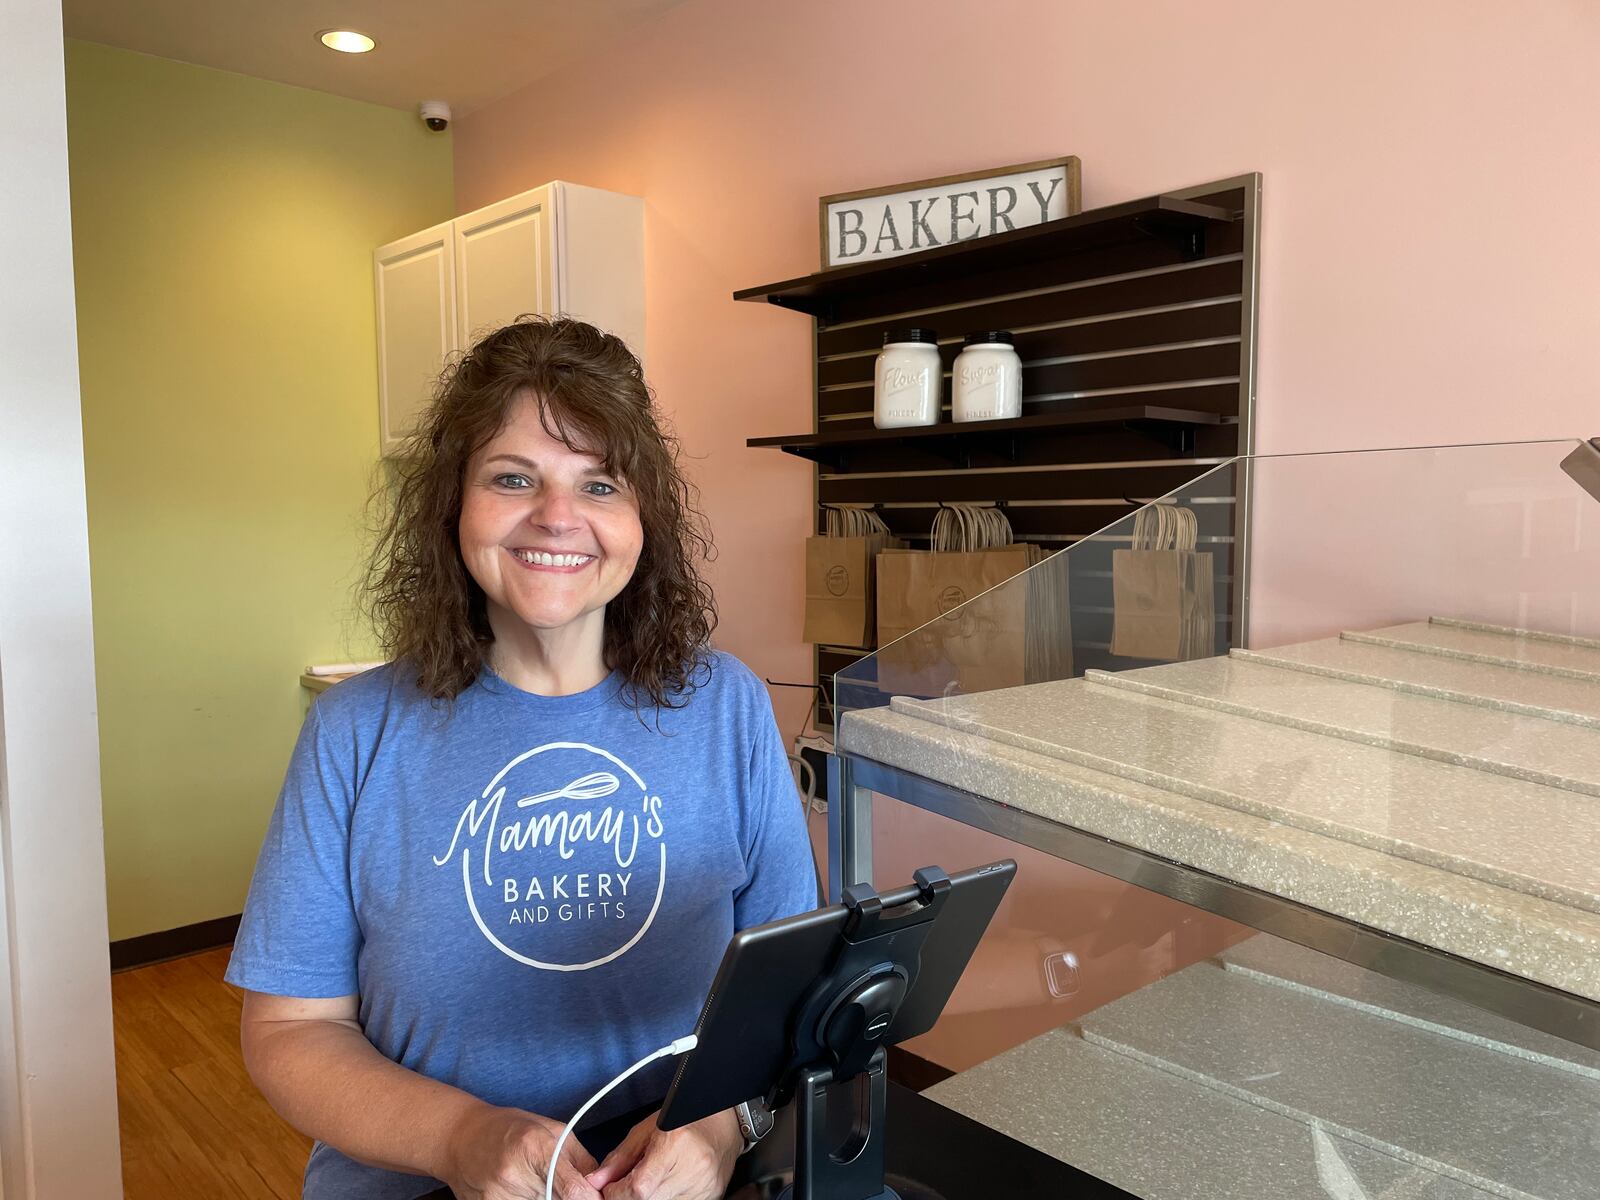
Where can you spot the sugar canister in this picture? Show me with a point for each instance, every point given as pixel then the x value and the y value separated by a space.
pixel 909 381
pixel 986 380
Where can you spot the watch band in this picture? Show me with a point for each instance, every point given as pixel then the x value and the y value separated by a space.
pixel 755 1122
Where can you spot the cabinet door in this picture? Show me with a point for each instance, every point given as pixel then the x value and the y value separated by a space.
pixel 415 289
pixel 505 265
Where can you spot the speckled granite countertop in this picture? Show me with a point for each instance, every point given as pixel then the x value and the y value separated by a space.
pixel 1204 1086
pixel 1438 781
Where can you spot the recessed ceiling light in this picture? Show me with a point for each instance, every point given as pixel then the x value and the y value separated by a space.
pixel 346 40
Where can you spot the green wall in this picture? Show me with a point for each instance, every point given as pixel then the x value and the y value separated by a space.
pixel 223 231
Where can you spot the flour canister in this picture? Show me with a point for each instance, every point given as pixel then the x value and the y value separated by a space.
pixel 986 381
pixel 909 381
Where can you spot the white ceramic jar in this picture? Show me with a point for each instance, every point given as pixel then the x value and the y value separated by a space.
pixel 986 380
pixel 909 380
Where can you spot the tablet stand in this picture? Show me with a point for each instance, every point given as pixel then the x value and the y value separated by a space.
pixel 879 956
pixel 803 1009
pixel 854 1171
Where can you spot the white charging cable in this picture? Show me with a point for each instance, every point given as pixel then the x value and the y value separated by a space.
pixel 682 1046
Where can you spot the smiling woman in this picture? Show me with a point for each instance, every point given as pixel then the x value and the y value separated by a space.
pixel 543 442
pixel 504 866
pixel 551 537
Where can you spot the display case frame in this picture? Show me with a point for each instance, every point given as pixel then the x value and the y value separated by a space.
pixel 854 779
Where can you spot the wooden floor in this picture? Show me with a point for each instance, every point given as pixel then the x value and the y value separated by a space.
pixel 193 1125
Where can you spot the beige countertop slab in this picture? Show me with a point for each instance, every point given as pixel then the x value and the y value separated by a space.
pixel 1562 639
pixel 1533 693
pixel 1540 840
pixel 1568 657
pixel 317 681
pixel 1525 935
pixel 1554 753
pixel 317 684
pixel 1507 1124
pixel 1206 1086
pixel 1284 964
pixel 1164 1137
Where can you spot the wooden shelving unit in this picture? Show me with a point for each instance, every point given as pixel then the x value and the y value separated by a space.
pixel 1181 223
pixel 1136 326
pixel 1170 427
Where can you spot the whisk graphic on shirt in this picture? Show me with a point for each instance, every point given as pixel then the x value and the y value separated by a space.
pixel 594 786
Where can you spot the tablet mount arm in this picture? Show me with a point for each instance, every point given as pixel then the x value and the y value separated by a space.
pixel 842 1034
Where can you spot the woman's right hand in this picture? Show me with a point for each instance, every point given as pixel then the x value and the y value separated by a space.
pixel 504 1154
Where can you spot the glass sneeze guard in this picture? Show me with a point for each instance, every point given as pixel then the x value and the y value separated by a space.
pixel 1311 743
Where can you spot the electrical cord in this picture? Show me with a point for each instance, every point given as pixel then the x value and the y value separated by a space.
pixel 672 1049
pixel 807 786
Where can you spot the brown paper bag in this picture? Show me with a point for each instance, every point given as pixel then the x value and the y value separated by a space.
pixel 955 646
pixel 839 570
pixel 839 597
pixel 1163 597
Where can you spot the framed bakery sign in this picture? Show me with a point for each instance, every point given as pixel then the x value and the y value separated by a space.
pixel 903 218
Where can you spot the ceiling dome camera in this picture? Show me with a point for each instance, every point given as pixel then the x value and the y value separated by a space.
pixel 435 115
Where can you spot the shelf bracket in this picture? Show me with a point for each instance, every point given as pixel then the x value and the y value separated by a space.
pixel 1190 239
pixel 959 452
pixel 1177 438
pixel 825 313
pixel 834 457
pixel 951 450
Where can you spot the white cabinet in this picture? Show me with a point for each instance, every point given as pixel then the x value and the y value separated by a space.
pixel 560 248
pixel 416 301
pixel 504 263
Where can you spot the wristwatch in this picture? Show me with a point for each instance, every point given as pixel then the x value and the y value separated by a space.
pixel 755 1122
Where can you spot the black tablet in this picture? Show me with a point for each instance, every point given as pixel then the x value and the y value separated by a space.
pixel 751 1042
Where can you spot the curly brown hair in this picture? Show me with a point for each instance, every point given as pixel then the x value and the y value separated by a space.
pixel 428 610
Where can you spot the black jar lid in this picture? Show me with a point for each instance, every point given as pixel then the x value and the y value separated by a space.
pixel 999 337
pixel 910 335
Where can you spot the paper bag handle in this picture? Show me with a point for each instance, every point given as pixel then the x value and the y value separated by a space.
pixel 844 521
pixel 970 527
pixel 1165 527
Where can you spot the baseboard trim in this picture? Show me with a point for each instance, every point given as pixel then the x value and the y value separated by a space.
pixel 173 943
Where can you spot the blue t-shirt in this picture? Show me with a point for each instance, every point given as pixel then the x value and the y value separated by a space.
pixel 528 893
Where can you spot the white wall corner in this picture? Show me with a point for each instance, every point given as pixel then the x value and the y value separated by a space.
pixel 58 1113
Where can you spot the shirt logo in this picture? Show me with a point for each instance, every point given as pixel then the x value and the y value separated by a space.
pixel 563 857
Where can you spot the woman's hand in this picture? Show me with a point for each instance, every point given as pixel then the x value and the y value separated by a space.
pixel 504 1154
pixel 691 1163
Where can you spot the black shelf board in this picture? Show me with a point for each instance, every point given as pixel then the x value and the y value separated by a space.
pixel 1168 425
pixel 1117 224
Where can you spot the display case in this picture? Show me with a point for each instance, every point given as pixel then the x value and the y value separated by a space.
pixel 1309 890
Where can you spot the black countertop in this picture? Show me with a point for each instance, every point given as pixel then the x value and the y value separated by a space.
pixel 932 1154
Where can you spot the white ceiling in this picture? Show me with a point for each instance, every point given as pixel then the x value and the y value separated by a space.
pixel 466 52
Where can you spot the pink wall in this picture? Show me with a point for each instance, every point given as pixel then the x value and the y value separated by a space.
pixel 1429 251
pixel 1494 533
